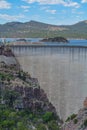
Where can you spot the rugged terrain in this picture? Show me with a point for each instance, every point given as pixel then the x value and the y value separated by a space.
pixel 77 121
pixel 38 29
pixel 23 104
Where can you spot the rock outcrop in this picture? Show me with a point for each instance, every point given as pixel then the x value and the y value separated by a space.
pixel 55 39
pixel 77 121
pixel 30 95
pixel 6 51
pixel 7 57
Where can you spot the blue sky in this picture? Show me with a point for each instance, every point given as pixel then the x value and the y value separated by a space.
pixel 59 12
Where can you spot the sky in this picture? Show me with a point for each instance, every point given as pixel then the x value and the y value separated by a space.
pixel 58 12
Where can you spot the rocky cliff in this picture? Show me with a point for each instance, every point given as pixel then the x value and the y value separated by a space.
pixel 20 92
pixel 77 121
pixel 15 79
pixel 7 57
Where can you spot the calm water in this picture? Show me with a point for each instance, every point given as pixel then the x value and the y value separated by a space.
pixel 61 71
pixel 71 42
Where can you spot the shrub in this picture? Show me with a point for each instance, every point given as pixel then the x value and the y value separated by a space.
pixel 85 122
pixel 41 127
pixel 52 125
pixel 68 119
pixel 75 121
pixel 48 116
pixel 73 116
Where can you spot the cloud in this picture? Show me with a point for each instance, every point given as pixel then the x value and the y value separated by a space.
pixel 4 4
pixel 84 1
pixel 71 4
pixel 11 17
pixel 47 9
pixel 51 11
pixel 67 3
pixel 25 7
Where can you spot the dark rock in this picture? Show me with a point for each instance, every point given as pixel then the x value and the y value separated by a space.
pixel 43 96
pixel 22 40
pixel 29 92
pixel 6 51
pixel 55 39
pixel 37 93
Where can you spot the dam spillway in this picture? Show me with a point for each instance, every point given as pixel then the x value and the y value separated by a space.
pixel 61 71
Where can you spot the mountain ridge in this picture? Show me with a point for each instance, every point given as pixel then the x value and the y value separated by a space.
pixel 40 29
pixel 32 21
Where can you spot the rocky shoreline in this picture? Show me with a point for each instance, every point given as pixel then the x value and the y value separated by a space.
pixel 55 39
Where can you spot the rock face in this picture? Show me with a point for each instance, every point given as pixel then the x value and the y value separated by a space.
pixel 77 121
pixel 34 99
pixel 55 39
pixel 7 57
pixel 30 95
pixel 6 51
pixel 85 103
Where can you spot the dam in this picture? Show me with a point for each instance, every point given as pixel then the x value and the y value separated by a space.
pixel 61 72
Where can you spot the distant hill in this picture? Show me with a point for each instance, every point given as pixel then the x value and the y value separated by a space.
pixel 38 29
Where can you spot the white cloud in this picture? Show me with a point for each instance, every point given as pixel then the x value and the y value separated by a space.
pixel 47 9
pixel 25 7
pixel 71 4
pixel 11 17
pixel 84 1
pixel 67 3
pixel 51 11
pixel 4 4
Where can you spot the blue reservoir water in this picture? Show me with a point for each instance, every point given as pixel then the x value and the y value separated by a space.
pixel 71 42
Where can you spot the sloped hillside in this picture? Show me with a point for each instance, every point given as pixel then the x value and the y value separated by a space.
pixel 23 104
pixel 38 29
pixel 77 121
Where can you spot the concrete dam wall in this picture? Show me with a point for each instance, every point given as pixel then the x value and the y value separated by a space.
pixel 61 71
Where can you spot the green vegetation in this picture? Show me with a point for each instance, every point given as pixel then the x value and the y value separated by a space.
pixel 85 123
pixel 48 116
pixel 52 125
pixel 22 75
pixel 75 121
pixel 41 127
pixel 37 29
pixel 4 76
pixel 73 116
pixel 20 120
pixel 23 107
